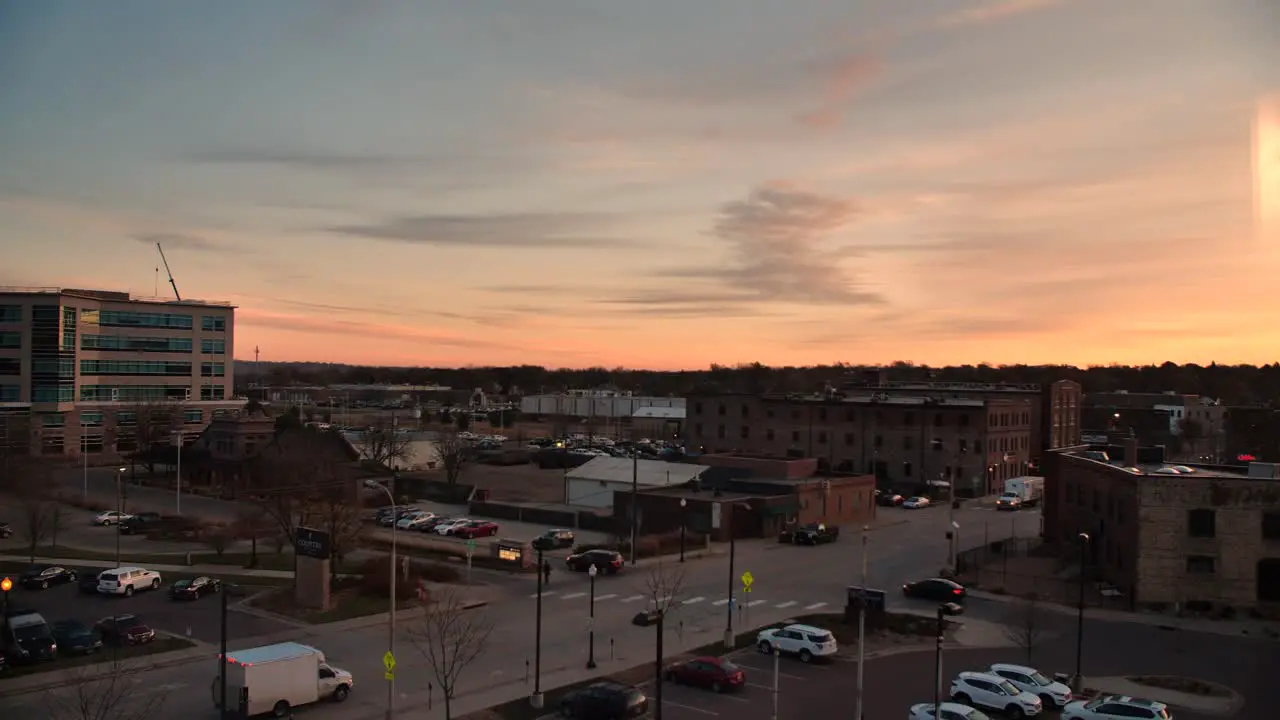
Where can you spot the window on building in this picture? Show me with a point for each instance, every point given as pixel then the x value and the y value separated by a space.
pixel 977 446
pixel 1201 523
pixel 938 420
pixel 91 419
pixel 744 432
pixel 10 340
pixel 10 313
pixel 1271 525
pixel 697 408
pixel 697 429
pixel 720 409
pixel 193 417
pixel 720 432
pixel 768 434
pixel 10 366
pixel 822 437
pixel 209 323
pixel 907 442
pixel 10 393
pixel 964 445
pixel 213 347
pixel 906 469
pixel 848 438
pixel 51 445
pixel 795 413
pixel 212 392
pixel 53 420
pixel 964 420
pixel 795 436
pixel 126 418
pixel 850 415
pixel 213 369
pixel 1200 564
pixel 768 412
pixel 746 411
pixel 122 318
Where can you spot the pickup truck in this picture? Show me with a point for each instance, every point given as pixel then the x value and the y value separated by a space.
pixel 811 534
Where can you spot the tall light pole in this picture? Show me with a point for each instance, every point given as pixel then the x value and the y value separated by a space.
pixel 391 615
pixel 177 435
pixel 1078 681
pixel 728 620
pixel 937 664
pixel 635 489
pixel 862 627
pixel 684 517
pixel 536 699
pixel 591 620
pixel 84 456
pixel 119 510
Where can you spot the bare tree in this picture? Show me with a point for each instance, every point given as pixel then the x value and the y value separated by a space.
pixel 153 425
pixel 57 521
pixel 662 586
pixel 339 516
pixel 384 444
pixel 454 453
pixel 290 475
pixel 1025 628
pixel 450 637
pixel 218 539
pixel 38 512
pixel 103 691
pixel 249 526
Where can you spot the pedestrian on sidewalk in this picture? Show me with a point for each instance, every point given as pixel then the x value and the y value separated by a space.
pixel 546 572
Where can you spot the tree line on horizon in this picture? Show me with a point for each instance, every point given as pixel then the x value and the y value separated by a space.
pixel 1233 384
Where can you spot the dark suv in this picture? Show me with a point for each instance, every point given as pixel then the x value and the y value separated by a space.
pixel 606 561
pixel 553 539
pixel 140 523
pixel 813 534
pixel 604 701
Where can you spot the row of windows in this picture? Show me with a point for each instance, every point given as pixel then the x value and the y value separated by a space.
pixel 10 313
pixel 91 419
pixel 170 368
pixel 1003 444
pixel 213 347
pixel 129 318
pixel 1003 419
pixel 10 340
pixel 213 323
pixel 10 366
pixel 53 393
pixel 10 393
pixel 212 392
pixel 213 369
pixel 133 393
pixel 135 344
pixel 124 418
pixel 69 328
pixel 65 367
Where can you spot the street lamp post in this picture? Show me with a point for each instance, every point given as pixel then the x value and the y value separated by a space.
pixel 591 620
pixel 536 699
pixel 684 517
pixel 862 627
pixel 177 434
pixel 728 618
pixel 119 510
pixel 84 456
pixel 391 613
pixel 955 548
pixel 937 664
pixel 1078 680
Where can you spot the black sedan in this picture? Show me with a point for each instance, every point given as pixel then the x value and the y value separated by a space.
pixel 938 589
pixel 76 638
pixel 88 581
pixel 40 577
pixel 194 589
pixel 812 534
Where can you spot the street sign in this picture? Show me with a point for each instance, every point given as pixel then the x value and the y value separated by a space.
pixel 389 662
pixel 471 548
pixel 389 675
pixel 747 579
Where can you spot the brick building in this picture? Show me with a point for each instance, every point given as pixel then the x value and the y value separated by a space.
pixel 1192 427
pixel 1252 432
pixel 1208 539
pixel 904 441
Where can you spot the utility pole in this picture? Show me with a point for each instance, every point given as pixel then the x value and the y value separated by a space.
pixel 635 488
pixel 862 627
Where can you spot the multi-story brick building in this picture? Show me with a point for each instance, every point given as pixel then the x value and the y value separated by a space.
pixel 1207 539
pixel 81 368
pixel 1191 426
pixel 907 442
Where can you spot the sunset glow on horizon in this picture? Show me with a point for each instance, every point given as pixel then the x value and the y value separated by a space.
pixel 662 185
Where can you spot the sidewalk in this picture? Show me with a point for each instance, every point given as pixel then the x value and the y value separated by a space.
pixel 1252 628
pixel 211 570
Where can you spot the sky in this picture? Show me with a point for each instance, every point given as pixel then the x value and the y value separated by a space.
pixel 661 184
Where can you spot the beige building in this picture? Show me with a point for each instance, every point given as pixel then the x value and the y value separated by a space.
pixel 100 372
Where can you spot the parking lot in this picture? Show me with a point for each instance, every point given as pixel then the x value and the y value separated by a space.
pixel 198 619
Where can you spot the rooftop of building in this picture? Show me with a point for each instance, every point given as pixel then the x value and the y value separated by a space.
pixel 706 494
pixel 876 399
pixel 895 385
pixel 112 296
pixel 659 413
pixel 1254 471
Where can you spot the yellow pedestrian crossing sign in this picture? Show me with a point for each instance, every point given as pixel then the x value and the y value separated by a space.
pixel 747 579
pixel 389 662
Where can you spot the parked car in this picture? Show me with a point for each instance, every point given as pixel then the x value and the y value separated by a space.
pixel 554 539
pixel 948 710
pixel 390 518
pixel 40 577
pixel 916 503
pixel 140 523
pixel 888 499
pixel 939 589
pixel 110 517
pixel 1052 693
pixel 712 673
pixel 124 630
pixel 995 693
pixel 452 526
pixel 76 638
pixel 607 561
pixel 804 641
pixel 811 534
pixel 26 637
pixel 477 528
pixel 604 701
pixel 5 531
pixel 194 589
pixel 88 580
pixel 1114 707
pixel 127 580
pixel 431 525
pixel 409 520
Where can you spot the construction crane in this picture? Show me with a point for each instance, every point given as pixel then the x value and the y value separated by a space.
pixel 173 283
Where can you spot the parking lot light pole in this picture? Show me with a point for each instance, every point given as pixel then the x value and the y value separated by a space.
pixel 1078 681
pixel 937 664
pixel 591 621
pixel 177 436
pixel 119 510
pixel 728 620
pixel 391 613
pixel 684 516
pixel 84 456
pixel 536 699
pixel 862 628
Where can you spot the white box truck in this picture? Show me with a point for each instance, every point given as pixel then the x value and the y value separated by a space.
pixel 275 678
pixel 1020 492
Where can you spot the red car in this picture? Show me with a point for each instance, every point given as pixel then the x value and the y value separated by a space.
pixel 713 673
pixel 479 528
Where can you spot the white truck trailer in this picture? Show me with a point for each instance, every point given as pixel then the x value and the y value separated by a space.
pixel 275 678
pixel 1025 491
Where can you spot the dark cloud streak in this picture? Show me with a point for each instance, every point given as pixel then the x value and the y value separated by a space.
pixel 514 230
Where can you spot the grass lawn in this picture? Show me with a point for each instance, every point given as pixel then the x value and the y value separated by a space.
pixel 161 644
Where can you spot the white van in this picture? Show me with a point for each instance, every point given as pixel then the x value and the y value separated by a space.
pixel 127 580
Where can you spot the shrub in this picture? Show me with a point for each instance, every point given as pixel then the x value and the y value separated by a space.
pixel 376 577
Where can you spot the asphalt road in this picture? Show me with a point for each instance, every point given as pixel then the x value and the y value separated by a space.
pixel 894 683
pixel 197 619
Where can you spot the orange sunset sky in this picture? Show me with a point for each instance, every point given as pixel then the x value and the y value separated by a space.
pixel 665 183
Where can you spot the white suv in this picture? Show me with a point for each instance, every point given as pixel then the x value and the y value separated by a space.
pixel 127 580
pixel 994 692
pixel 805 641
pixel 1112 707
pixel 1028 679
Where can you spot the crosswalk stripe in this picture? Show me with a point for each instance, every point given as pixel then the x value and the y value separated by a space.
pixel 814 606
pixel 571 596
pixel 633 598
pixel 786 604
pixel 754 603
pixel 544 593
pixel 721 602
pixel 610 596
pixel 691 601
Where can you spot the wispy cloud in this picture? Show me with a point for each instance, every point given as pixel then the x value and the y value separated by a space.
pixel 505 230
pixel 996 10
pixel 843 80
pixel 316 160
pixel 182 241
pixel 358 328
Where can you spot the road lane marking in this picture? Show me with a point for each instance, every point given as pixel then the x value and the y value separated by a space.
pixel 544 593
pixel 689 707
pixel 721 602
pixel 754 603
pixel 571 596
pixel 769 671
pixel 786 604
pixel 814 606
pixel 633 598
pixel 727 696
pixel 610 596
pixel 693 600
